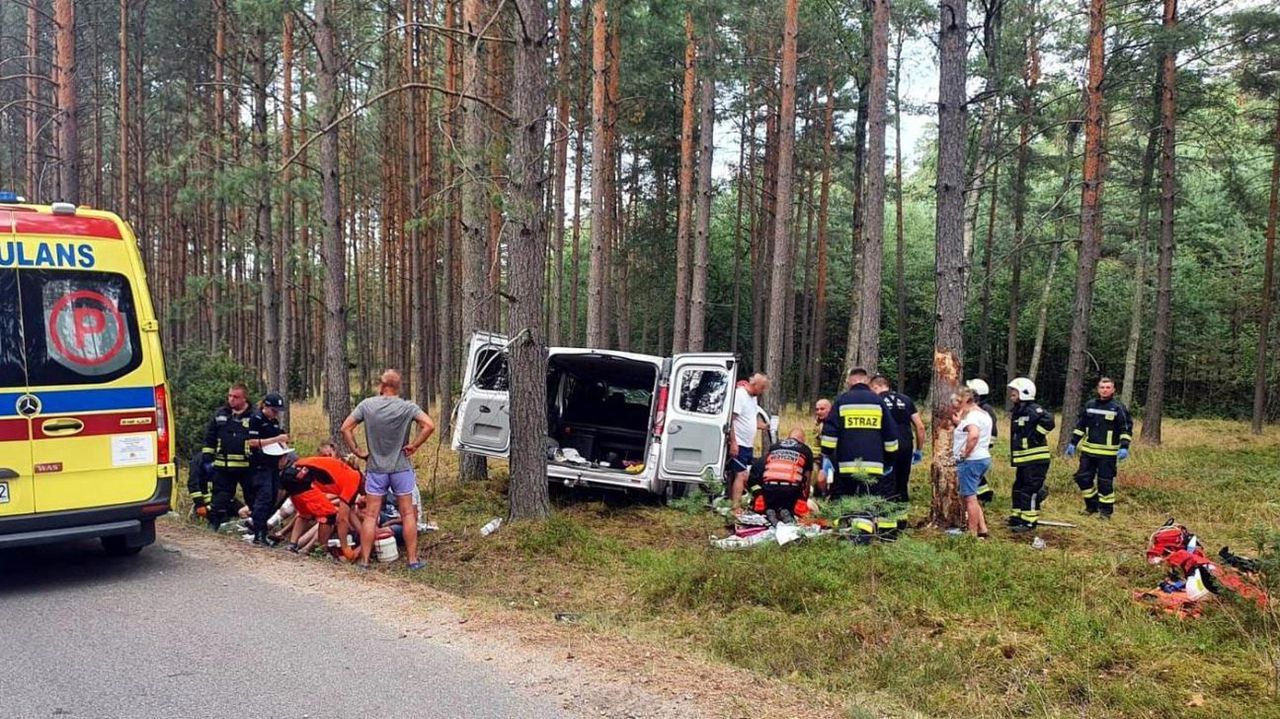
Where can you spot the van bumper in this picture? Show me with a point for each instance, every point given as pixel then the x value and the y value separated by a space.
pixel 135 521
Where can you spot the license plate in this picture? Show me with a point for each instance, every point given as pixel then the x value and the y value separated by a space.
pixel 4 492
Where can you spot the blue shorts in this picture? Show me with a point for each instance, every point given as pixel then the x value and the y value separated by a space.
pixel 401 483
pixel 742 461
pixel 969 472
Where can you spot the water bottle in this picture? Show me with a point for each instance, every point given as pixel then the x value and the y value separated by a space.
pixel 491 527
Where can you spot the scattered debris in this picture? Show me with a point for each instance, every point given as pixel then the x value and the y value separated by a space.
pixel 491 527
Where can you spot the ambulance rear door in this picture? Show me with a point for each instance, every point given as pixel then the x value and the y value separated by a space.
pixel 17 493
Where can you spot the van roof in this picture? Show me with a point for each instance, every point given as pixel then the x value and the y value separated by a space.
pixel 40 220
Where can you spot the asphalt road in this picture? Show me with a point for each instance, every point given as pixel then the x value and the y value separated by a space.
pixel 165 635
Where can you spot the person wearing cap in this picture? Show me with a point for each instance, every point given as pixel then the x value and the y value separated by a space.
pixel 264 434
pixel 981 390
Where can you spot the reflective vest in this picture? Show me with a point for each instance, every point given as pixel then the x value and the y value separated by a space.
pixel 788 463
pixel 1029 438
pixel 860 435
pixel 1103 429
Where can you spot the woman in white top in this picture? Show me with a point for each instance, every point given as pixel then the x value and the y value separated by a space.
pixel 970 445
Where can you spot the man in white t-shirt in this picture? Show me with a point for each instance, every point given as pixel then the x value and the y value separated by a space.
pixel 742 439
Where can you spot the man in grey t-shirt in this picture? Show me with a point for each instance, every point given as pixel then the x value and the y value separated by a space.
pixel 387 418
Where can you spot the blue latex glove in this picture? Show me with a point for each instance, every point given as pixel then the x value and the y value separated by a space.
pixel 917 456
pixel 1071 450
pixel 1124 454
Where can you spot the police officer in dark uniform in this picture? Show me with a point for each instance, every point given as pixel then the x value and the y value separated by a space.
pixel 1102 433
pixel 861 440
pixel 264 430
pixel 910 434
pixel 226 454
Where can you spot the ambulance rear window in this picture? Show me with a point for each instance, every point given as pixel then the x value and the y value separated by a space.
pixel 11 374
pixel 80 327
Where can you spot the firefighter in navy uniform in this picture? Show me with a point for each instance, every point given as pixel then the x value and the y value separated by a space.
pixel 1028 453
pixel 860 438
pixel 910 434
pixel 981 389
pixel 264 430
pixel 226 451
pixel 1102 435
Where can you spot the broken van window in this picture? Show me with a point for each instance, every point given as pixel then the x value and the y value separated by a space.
pixel 703 391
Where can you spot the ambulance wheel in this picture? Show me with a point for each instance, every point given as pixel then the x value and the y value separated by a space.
pixel 119 547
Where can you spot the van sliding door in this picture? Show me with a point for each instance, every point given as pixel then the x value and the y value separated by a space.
pixel 699 410
pixel 482 424
pixel 17 492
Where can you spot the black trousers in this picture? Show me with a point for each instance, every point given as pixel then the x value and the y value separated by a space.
pixel 901 475
pixel 781 496
pixel 225 482
pixel 1028 484
pixel 1096 479
pixel 265 489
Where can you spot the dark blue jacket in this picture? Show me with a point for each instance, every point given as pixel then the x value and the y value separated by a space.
pixel 860 436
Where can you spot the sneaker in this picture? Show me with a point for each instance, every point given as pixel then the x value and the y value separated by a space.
pixel 1022 528
pixel 292 547
pixel 772 516
pixel 259 540
pixel 415 566
pixel 785 517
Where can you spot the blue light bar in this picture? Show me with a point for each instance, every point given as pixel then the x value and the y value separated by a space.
pixel 8 196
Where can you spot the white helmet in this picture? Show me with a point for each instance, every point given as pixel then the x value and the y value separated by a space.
pixel 1025 387
pixel 978 386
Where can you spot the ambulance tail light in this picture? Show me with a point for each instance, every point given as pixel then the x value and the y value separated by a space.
pixel 162 424
pixel 660 418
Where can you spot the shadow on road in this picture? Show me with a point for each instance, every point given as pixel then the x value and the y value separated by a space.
pixel 72 565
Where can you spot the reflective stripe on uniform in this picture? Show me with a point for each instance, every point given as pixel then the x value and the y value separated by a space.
pixel 861 416
pixel 1040 428
pixel 1090 492
pixel 1126 437
pixel 862 466
pixel 828 442
pixel 891 446
pixel 1107 498
pixel 1099 450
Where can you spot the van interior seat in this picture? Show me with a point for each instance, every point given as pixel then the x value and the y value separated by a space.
pixel 601 405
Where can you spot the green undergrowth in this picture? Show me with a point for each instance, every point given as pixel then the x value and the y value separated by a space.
pixel 932 624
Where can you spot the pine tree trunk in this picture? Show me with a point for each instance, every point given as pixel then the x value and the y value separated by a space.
pixel 1268 284
pixel 1090 218
pixel 447 314
pixel 122 111
pixel 745 186
pixel 684 229
pixel 1153 409
pixel 1027 106
pixel 779 324
pixel 824 204
pixel 596 330
pixel 285 244
pixel 984 324
pixel 900 272
pixel 702 221
pixel 64 18
pixel 560 132
pixel 265 250
pixel 1140 255
pixel 528 493
pixel 32 136
pixel 873 227
pixel 1046 291
pixel 853 339
pixel 337 393
pixel 946 509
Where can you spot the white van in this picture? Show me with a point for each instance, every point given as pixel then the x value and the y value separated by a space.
pixel 615 419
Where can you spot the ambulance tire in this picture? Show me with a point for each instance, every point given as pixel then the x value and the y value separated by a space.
pixel 129 545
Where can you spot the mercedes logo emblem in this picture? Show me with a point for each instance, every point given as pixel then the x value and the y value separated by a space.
pixel 28 405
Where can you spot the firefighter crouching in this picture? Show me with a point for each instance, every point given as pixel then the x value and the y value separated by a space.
pixel 1028 453
pixel 860 438
pixel 226 454
pixel 1102 433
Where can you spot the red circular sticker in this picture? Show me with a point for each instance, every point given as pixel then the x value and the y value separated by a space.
pixel 91 316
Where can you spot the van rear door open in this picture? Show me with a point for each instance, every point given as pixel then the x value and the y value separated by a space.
pixel 17 496
pixel 698 413
pixel 482 423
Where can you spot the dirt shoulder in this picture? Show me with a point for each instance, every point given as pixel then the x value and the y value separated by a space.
pixel 588 671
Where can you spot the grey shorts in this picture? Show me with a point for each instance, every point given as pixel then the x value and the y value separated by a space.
pixel 400 483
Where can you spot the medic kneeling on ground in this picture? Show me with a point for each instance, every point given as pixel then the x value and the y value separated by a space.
pixel 321 489
pixel 788 471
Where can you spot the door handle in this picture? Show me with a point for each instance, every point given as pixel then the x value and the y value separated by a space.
pixel 6 473
pixel 62 426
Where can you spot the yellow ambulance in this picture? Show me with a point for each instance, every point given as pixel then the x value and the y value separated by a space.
pixel 86 447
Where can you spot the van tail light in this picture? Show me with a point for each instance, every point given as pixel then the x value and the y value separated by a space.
pixel 660 418
pixel 162 425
